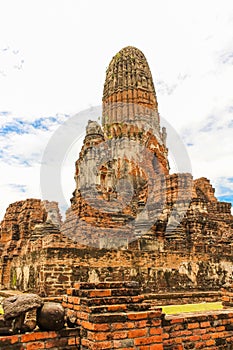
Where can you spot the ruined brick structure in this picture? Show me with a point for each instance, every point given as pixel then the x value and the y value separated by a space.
pixel 114 315
pixel 130 219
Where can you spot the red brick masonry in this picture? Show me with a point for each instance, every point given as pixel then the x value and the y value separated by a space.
pixel 113 315
pixel 209 330
pixel 64 339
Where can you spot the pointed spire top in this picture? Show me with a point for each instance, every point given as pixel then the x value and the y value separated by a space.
pixel 129 70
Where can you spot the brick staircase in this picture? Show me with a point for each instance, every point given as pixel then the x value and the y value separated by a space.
pixel 112 315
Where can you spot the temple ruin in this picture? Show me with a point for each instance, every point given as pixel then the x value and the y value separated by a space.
pixel 130 219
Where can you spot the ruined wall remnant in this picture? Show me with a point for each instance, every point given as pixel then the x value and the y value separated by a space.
pixel 24 222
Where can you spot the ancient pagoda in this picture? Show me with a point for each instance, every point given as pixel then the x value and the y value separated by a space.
pixel 130 218
pixel 125 196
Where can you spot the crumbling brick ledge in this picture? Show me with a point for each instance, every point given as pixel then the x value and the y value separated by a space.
pixel 206 330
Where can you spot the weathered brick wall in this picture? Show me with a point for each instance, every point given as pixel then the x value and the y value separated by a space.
pixel 209 330
pixel 42 273
pixel 59 340
pixel 51 271
pixel 227 296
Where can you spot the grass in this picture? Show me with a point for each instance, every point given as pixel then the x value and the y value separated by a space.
pixel 178 309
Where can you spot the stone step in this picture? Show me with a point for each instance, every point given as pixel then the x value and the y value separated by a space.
pixel 111 300
pixel 106 285
pixel 116 308
pixel 122 317
pixel 103 293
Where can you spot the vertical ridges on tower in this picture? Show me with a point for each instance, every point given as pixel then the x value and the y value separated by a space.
pixel 129 93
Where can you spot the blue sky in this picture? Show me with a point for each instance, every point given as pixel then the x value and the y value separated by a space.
pixel 53 57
